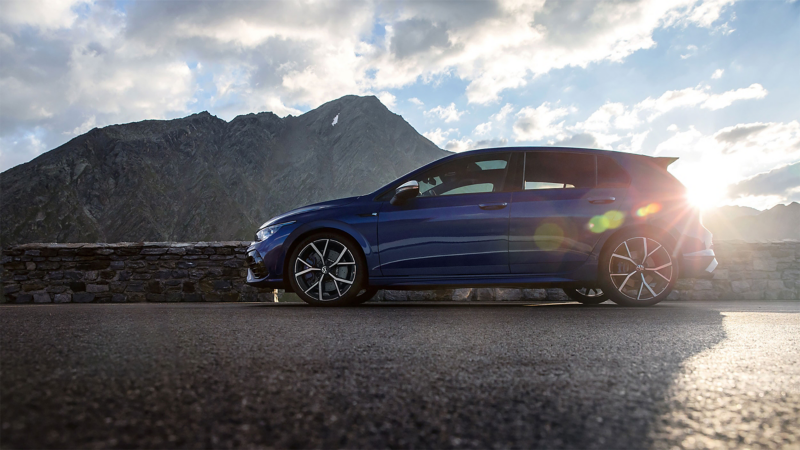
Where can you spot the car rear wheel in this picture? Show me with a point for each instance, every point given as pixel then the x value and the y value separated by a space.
pixel 327 269
pixel 638 269
pixel 586 295
pixel 365 295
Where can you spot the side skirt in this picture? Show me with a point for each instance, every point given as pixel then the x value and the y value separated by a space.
pixel 453 282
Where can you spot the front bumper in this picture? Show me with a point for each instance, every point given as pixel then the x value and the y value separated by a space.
pixel 264 261
pixel 258 273
pixel 699 264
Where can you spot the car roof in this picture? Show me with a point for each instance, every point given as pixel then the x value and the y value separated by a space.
pixel 528 149
pixel 662 162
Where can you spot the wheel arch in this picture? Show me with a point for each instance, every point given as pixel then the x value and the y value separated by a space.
pixel 320 227
pixel 644 228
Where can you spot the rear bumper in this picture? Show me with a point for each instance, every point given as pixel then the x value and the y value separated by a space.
pixel 699 264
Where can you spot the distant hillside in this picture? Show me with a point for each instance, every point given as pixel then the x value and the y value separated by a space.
pixel 737 222
pixel 201 178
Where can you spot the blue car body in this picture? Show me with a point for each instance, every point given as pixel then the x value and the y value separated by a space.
pixel 512 238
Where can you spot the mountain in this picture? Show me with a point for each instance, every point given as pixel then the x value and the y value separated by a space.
pixel 722 221
pixel 739 222
pixel 202 178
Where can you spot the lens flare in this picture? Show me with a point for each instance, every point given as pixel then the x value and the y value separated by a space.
pixel 608 221
pixel 652 208
pixel 548 236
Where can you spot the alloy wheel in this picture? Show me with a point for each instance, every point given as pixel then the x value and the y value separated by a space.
pixel 590 292
pixel 325 269
pixel 641 268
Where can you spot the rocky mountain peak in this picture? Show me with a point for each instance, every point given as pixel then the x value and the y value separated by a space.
pixel 202 178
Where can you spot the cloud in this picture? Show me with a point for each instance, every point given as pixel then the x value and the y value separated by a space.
pixel 504 54
pixel 41 14
pixel 438 136
pixel 449 113
pixel 489 143
pixel 465 144
pixel 459 145
pixel 580 140
pixel 691 97
pixel 717 74
pixel 618 116
pixel 534 124
pixel 503 113
pixel 691 50
pixel 734 134
pixel 483 128
pixel 714 102
pixel 416 101
pixel 783 182
pixel 760 137
pixel 82 128
pixel 772 141
pixel 417 35
pixel 387 99
pixel 21 147
pixel 67 61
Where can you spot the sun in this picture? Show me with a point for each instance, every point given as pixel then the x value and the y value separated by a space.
pixel 705 195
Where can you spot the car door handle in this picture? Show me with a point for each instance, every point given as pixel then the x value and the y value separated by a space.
pixel 493 205
pixel 601 200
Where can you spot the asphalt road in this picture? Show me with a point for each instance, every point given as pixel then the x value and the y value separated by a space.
pixel 427 376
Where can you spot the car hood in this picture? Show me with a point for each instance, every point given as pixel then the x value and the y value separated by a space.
pixel 290 215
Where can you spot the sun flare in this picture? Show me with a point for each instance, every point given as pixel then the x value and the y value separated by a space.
pixel 705 196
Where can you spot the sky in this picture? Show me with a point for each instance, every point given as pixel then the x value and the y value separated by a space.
pixel 711 82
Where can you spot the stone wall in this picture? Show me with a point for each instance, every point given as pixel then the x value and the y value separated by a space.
pixel 128 272
pixel 214 271
pixel 748 271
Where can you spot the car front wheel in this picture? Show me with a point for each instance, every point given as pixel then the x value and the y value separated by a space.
pixel 327 269
pixel 638 269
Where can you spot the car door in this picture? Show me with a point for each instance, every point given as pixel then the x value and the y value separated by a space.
pixel 458 225
pixel 561 212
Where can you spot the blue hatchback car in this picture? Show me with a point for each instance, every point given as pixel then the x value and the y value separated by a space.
pixel 599 224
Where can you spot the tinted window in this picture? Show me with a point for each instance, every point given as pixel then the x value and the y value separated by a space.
pixel 484 173
pixel 559 170
pixel 514 174
pixel 610 174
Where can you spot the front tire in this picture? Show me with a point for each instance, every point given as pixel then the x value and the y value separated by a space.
pixel 327 269
pixel 637 268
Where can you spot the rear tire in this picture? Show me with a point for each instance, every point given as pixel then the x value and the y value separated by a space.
pixel 637 268
pixel 587 296
pixel 365 295
pixel 327 269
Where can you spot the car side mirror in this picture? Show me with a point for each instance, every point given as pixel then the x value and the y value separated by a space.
pixel 405 192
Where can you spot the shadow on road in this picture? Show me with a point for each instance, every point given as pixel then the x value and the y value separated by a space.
pixel 381 375
pixel 447 304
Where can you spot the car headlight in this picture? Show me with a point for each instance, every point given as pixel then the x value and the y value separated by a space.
pixel 269 231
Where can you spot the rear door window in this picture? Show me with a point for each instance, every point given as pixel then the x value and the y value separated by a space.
pixel 610 174
pixel 559 170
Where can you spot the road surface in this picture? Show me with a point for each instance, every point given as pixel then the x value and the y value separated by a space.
pixel 400 375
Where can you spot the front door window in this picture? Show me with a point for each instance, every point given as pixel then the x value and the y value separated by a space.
pixel 478 174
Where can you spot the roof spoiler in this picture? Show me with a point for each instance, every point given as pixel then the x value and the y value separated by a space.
pixel 665 161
